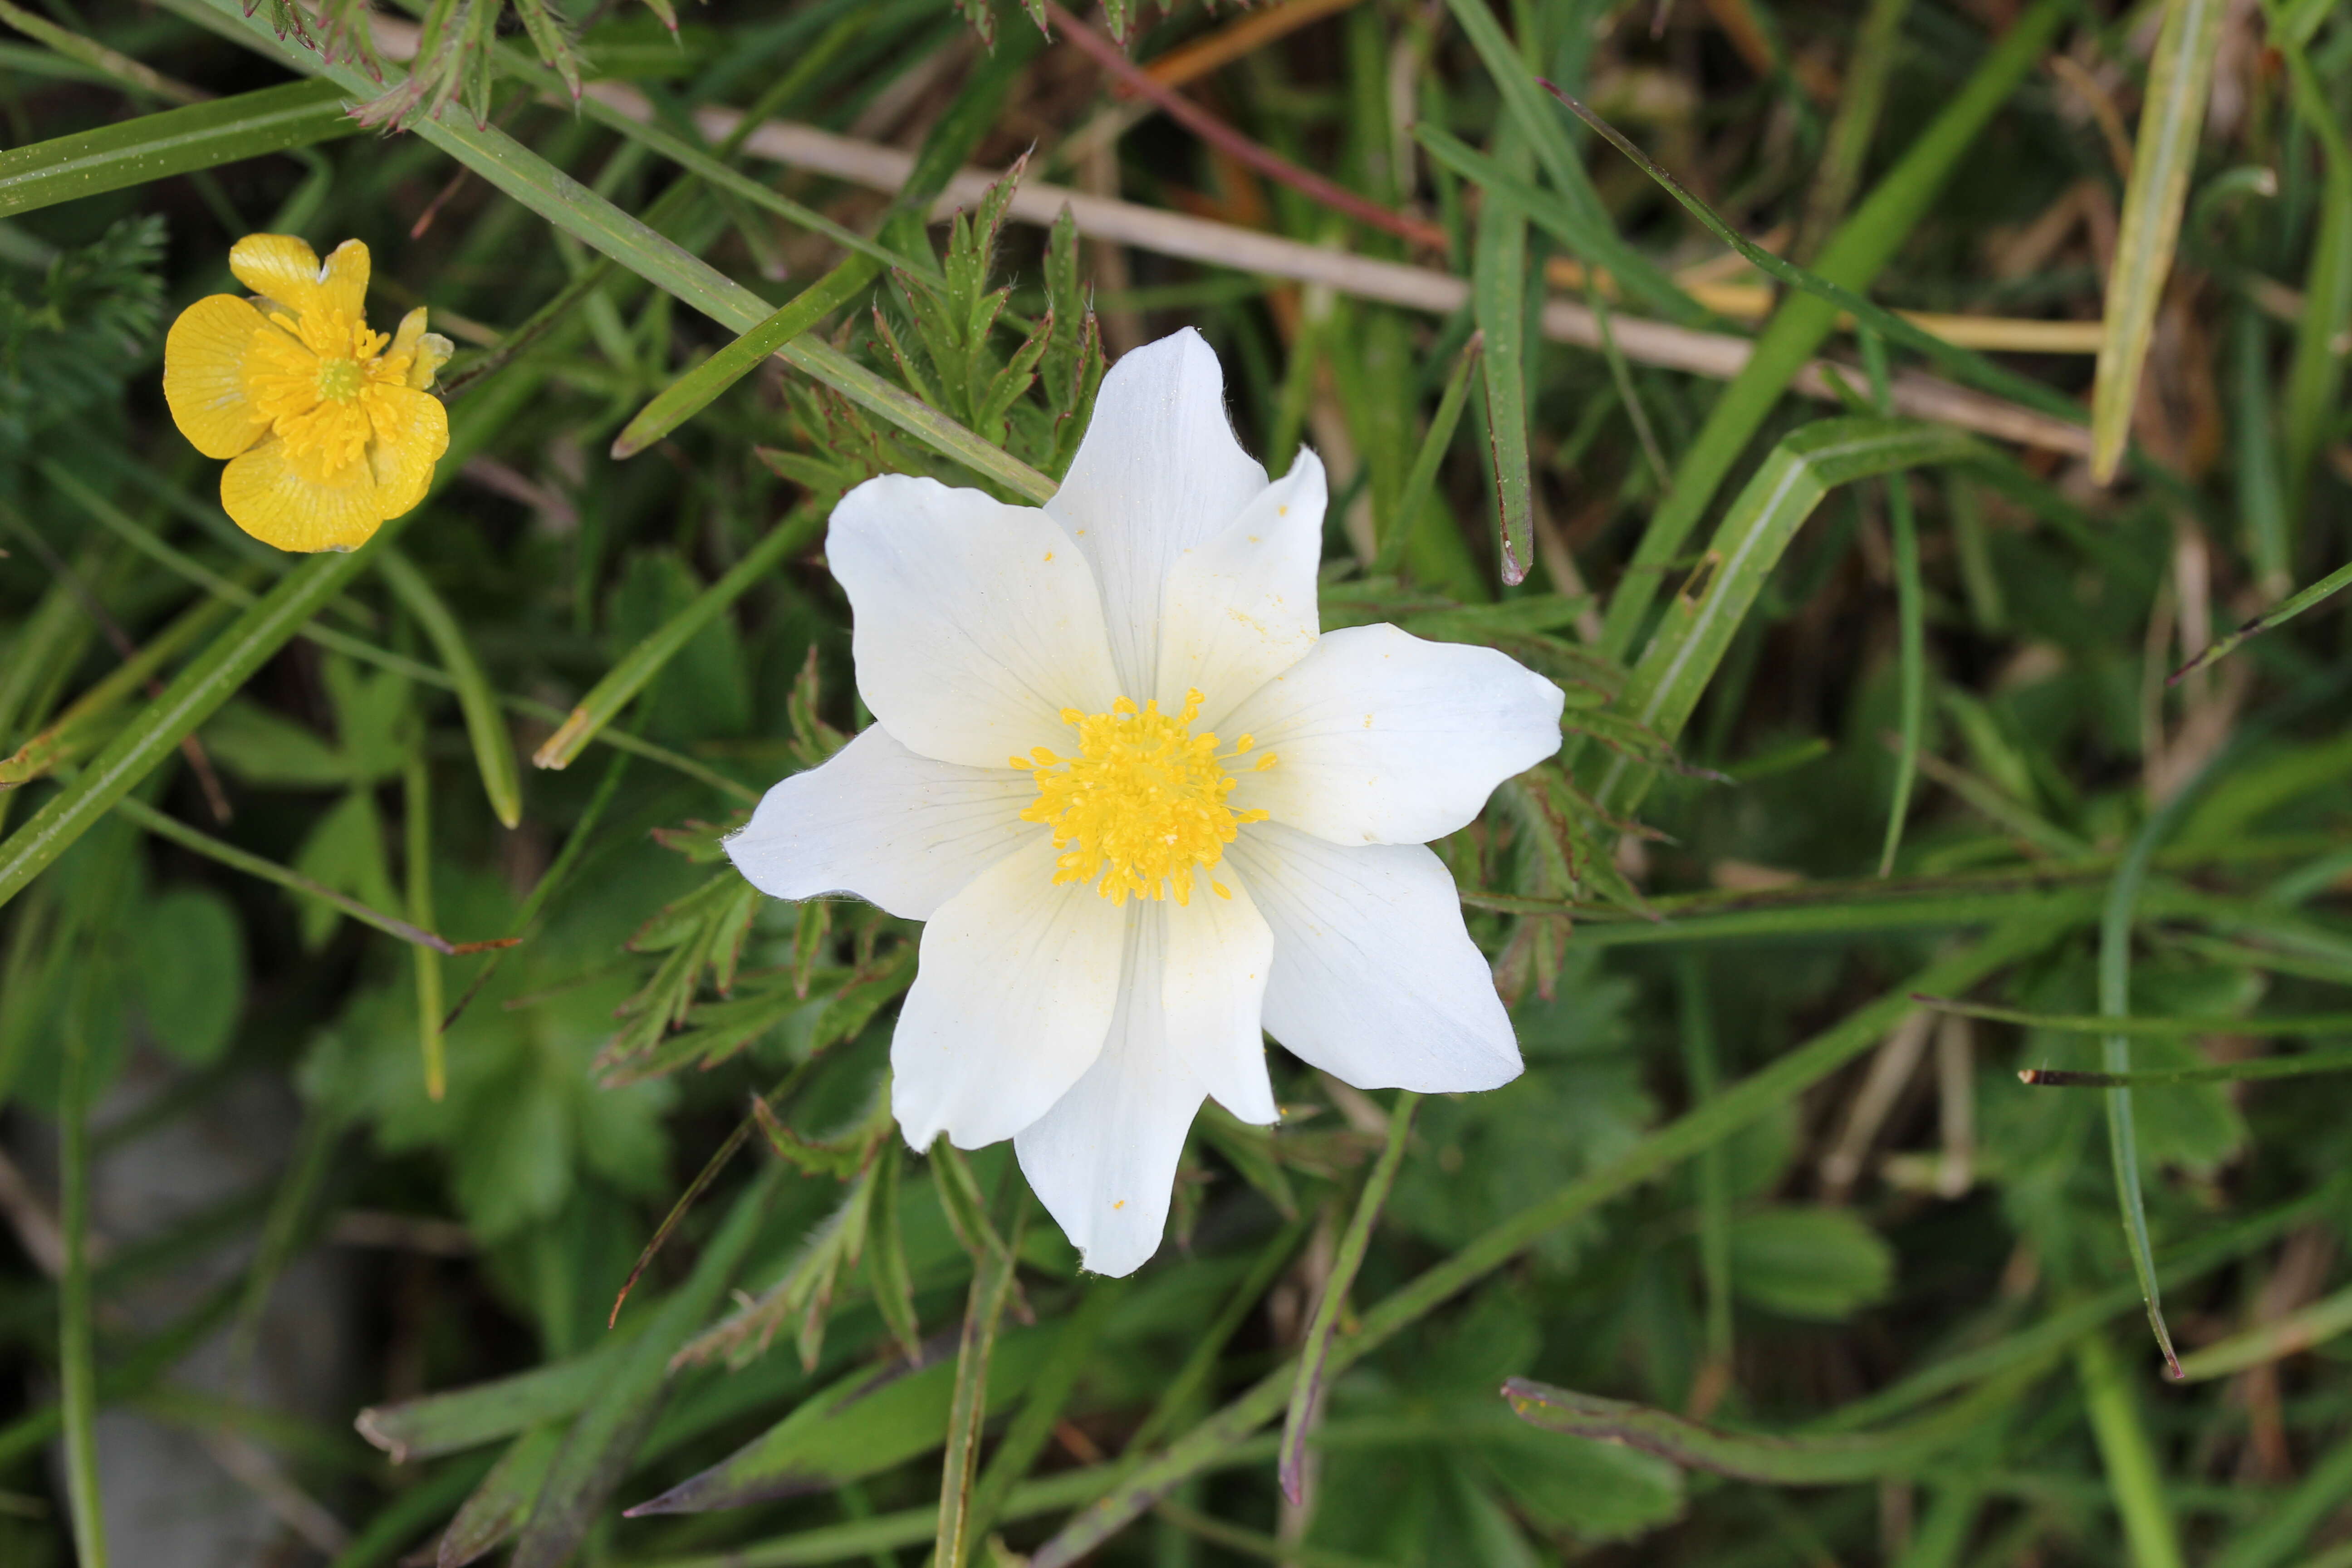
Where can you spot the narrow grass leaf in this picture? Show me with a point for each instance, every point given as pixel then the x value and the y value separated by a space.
pixel 2299 1331
pixel 2172 119
pixel 485 727
pixel 693 391
pixel 166 827
pixel 77 1298
pixel 450 1422
pixel 991 1287
pixel 1697 629
pixel 602 1443
pixel 174 142
pixel 1775 1460
pixel 1498 295
pixel 2135 1472
pixel 500 1504
pixel 2276 615
pixel 1307 1389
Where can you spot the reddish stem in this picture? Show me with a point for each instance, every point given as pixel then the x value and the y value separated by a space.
pixel 1217 132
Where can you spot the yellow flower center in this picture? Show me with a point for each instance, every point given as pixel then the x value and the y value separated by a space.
pixel 310 379
pixel 1142 805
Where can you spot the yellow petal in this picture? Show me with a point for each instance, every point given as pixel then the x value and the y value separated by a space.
pixel 283 269
pixel 412 431
pixel 205 375
pixel 264 496
pixel 428 352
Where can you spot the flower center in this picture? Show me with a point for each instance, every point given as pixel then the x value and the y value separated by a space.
pixel 1142 804
pixel 310 381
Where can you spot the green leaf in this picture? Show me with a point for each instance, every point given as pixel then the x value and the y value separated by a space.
pixel 495 1509
pixel 602 1443
pixel 268 749
pixel 2172 119
pixel 1789 1461
pixel 1698 626
pixel 863 1425
pixel 344 852
pixel 188 967
pixel 1499 292
pixel 448 1423
pixel 1820 1264
pixel 486 725
pixel 176 142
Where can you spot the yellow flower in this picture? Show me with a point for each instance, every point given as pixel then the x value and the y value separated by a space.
pixel 326 425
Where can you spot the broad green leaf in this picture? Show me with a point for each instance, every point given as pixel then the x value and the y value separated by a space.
pixel 1822 1264
pixel 2172 120
pixel 156 146
pixel 187 965
pixel 344 852
pixel 268 749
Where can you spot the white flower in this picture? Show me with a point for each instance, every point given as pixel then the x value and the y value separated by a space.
pixel 1145 807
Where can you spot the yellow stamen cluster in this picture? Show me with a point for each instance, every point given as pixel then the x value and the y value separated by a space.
pixel 312 384
pixel 1142 804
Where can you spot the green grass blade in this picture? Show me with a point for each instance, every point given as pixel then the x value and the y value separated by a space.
pixel 174 142
pixel 1701 1063
pixel 1775 1460
pixel 1592 236
pixel 1306 1388
pixel 2315 1324
pixel 485 727
pixel 1049 1397
pixel 605 229
pixel 501 1504
pixel 1421 482
pixel 77 1300
pixel 162 826
pixel 622 683
pixel 2301 1065
pixel 2316 371
pixel 2255 1027
pixel 603 1442
pixel 1910 610
pixel 693 391
pixel 1498 299
pixel 107 62
pixel 1855 254
pixel 207 681
pixel 1666 685
pixel 991 1287
pixel 1876 46
pixel 2172 119
pixel 416 826
pixel 2276 615
pixel 2272 1539
pixel 2135 1474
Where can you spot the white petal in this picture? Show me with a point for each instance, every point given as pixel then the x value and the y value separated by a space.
pixel 1218 954
pixel 1014 988
pixel 1375 980
pixel 1158 472
pixel 1240 607
pixel 877 820
pixel 1103 1160
pixel 974 623
pixel 1382 738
